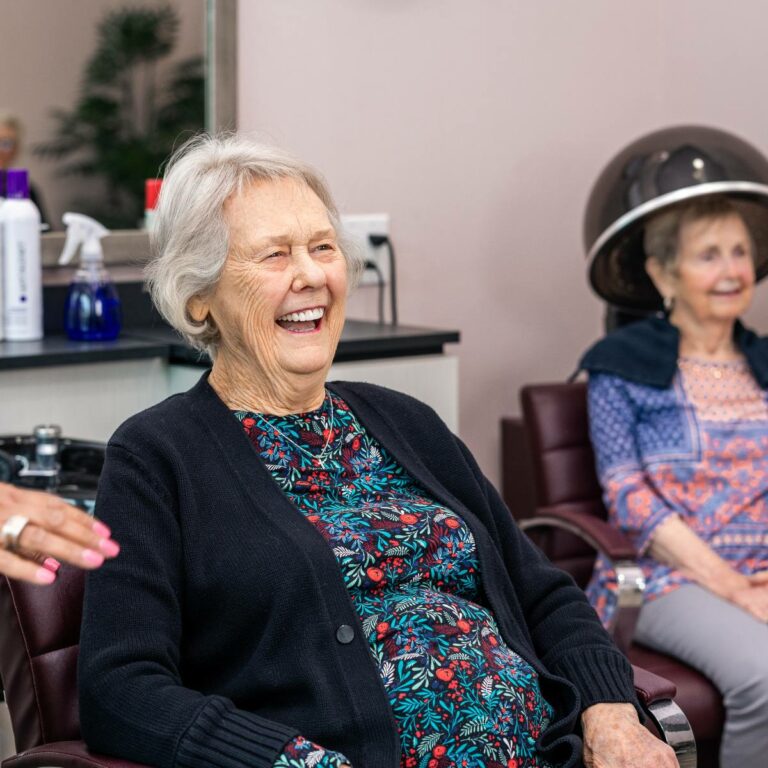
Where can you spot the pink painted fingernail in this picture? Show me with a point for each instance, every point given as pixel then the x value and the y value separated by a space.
pixel 100 529
pixel 108 547
pixel 52 564
pixel 91 557
pixel 44 576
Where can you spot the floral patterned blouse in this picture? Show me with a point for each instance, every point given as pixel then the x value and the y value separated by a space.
pixel 699 450
pixel 459 696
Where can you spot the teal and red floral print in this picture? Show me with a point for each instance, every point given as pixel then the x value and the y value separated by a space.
pixel 301 753
pixel 459 695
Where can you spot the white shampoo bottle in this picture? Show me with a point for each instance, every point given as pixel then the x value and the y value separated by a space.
pixel 2 199
pixel 22 269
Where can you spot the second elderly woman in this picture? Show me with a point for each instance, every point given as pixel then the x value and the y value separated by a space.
pixel 312 574
pixel 679 420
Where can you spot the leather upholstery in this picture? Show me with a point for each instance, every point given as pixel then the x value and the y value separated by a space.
pixel 650 687
pixel 563 481
pixel 39 637
pixel 65 754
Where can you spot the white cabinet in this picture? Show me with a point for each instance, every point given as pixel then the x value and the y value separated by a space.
pixel 87 401
pixel 90 401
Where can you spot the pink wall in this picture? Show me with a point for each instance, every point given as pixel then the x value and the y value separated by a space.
pixel 480 127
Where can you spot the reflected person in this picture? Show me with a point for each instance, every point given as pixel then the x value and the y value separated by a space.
pixel 11 135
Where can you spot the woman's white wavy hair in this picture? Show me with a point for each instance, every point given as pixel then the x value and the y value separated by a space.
pixel 190 237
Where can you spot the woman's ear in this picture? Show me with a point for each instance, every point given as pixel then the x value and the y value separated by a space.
pixel 660 277
pixel 197 308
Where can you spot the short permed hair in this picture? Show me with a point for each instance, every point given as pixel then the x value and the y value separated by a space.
pixel 190 237
pixel 662 232
pixel 11 121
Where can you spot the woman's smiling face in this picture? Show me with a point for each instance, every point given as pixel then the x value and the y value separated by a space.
pixel 279 303
pixel 714 273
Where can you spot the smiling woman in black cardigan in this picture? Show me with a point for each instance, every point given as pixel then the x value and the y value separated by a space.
pixel 318 574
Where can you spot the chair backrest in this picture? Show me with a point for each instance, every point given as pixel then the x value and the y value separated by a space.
pixel 39 641
pixel 560 459
pixel 557 426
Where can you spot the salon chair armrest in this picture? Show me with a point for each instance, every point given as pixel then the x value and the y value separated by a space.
pixel 580 520
pixel 656 695
pixel 650 687
pixel 65 754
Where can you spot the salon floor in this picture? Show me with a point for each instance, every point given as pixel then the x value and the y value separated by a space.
pixel 6 737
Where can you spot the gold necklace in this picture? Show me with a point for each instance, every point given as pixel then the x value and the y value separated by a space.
pixel 325 451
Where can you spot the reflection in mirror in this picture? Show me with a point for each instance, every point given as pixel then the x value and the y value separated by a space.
pixel 115 112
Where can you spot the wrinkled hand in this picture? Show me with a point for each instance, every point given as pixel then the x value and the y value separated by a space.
pixel 753 598
pixel 615 738
pixel 56 531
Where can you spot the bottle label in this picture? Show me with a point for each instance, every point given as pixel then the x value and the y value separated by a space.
pixel 22 280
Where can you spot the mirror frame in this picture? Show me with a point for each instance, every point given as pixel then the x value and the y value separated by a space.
pixel 221 65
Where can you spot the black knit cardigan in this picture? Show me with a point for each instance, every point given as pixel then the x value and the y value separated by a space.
pixel 213 638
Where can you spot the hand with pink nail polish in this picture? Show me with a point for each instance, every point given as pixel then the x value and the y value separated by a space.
pixel 38 531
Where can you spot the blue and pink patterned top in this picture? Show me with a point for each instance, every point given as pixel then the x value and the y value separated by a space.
pixel 459 696
pixel 697 449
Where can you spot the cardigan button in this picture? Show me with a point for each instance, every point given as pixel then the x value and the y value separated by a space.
pixel 345 634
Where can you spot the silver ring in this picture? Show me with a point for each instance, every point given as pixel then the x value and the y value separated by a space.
pixel 11 531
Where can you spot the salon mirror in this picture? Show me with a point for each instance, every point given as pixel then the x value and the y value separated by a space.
pixel 43 50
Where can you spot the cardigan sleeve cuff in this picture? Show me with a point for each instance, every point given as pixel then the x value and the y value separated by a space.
pixel 601 675
pixel 226 737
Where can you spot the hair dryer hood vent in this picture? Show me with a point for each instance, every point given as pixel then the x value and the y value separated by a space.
pixel 652 173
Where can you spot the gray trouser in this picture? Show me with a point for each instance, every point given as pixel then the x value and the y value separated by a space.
pixel 731 648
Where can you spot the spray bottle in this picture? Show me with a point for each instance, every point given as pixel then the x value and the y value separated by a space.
pixel 92 309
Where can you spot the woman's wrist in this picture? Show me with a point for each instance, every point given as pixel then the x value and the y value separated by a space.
pixel 597 714
pixel 725 582
pixel 675 544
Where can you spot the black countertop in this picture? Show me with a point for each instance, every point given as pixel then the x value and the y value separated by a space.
pixel 360 340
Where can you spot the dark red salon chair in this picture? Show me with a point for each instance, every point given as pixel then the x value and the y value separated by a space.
pixel 550 484
pixel 39 637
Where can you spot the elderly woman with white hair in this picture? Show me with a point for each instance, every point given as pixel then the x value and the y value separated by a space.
pixel 313 573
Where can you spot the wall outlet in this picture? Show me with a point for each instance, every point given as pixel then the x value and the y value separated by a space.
pixel 358 226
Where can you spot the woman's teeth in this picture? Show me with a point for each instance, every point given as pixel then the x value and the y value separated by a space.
pixel 302 317
pixel 301 322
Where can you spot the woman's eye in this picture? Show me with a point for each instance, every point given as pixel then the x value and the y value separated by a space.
pixel 276 254
pixel 709 255
pixel 324 247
